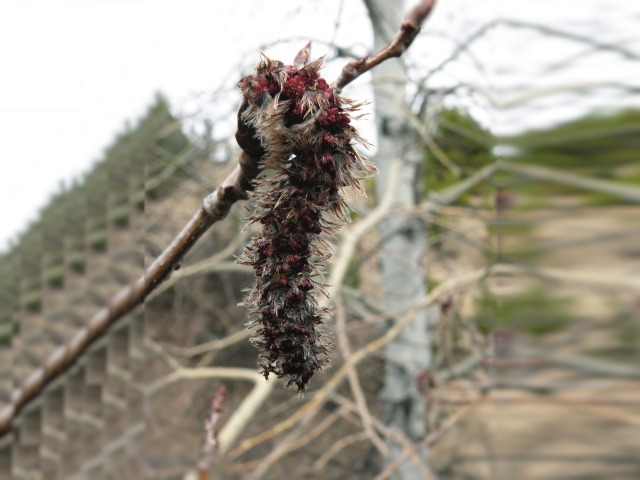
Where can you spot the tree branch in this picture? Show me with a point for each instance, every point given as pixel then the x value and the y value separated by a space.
pixel 402 41
pixel 354 381
pixel 215 207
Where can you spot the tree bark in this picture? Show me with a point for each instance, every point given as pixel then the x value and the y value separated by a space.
pixel 401 260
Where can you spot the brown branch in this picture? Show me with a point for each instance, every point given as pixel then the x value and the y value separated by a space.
pixel 402 41
pixel 214 208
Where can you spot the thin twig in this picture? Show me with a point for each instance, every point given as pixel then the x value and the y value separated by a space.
pixel 214 208
pixel 203 267
pixel 430 142
pixel 211 435
pixel 591 366
pixel 293 443
pixel 211 346
pixel 409 447
pixel 497 399
pixel 351 236
pixel 171 362
pixel 630 193
pixel 337 447
pixel 354 381
pixel 408 32
pixel 430 439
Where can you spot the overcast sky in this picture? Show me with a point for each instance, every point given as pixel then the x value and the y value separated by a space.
pixel 72 71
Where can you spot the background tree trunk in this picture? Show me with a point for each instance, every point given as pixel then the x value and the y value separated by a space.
pixel 403 239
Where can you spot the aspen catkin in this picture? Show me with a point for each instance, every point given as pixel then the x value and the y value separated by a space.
pixel 300 128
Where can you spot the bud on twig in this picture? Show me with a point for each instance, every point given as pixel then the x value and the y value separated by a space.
pixel 211 432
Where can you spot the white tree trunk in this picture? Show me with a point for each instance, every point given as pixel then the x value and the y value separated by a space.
pixel 402 266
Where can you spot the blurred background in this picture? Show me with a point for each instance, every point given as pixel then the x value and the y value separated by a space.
pixel 487 326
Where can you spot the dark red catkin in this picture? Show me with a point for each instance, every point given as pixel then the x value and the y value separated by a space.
pixel 300 128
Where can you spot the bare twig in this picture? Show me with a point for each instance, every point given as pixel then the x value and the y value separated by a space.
pixel 430 142
pixel 294 442
pixel 211 436
pixel 354 381
pixel 495 398
pixel 159 350
pixel 204 266
pixel 591 40
pixel 591 366
pixel 223 373
pixel 409 447
pixel 214 208
pixel 503 100
pixel 408 32
pixel 338 447
pixel 627 192
pixel 351 236
pixel 430 439
pixel 234 426
pixel 211 346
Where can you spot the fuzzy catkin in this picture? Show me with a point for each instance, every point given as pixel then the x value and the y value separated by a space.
pixel 300 129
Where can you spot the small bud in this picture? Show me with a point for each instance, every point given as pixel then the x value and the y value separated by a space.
pixel 303 56
pixel 306 284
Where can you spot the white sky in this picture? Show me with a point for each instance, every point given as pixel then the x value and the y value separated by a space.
pixel 72 71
